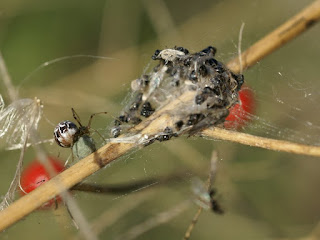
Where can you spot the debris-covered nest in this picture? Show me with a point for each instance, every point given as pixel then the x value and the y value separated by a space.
pixel 179 71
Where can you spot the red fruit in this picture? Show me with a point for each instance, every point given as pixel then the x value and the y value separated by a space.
pixel 239 114
pixel 36 174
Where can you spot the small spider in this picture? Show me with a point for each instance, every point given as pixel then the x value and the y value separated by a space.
pixel 65 133
pixel 68 135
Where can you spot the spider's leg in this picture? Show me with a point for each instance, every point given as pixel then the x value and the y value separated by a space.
pixel 93 115
pixel 76 117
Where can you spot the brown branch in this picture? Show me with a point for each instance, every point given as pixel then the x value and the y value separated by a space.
pixel 155 123
pixel 193 224
pixel 276 39
pixel 154 221
pixel 267 143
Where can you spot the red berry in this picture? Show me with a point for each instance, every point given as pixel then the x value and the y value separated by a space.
pixel 36 174
pixel 239 114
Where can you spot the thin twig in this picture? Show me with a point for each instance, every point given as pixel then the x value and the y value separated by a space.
pixel 154 124
pixel 155 221
pixel 193 224
pixel 239 47
pixel 122 188
pixel 13 95
pixel 211 177
pixel 276 39
pixel 164 25
pixel 112 215
pixel 267 143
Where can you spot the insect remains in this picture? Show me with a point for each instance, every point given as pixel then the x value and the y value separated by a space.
pixel 17 120
pixel 178 71
pixel 68 135
pixel 204 198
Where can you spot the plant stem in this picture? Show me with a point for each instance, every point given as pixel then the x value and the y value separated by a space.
pixel 267 143
pixel 279 37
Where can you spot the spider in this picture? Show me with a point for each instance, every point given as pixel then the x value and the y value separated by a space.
pixel 68 135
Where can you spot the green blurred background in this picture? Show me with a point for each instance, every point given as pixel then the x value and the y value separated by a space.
pixel 266 194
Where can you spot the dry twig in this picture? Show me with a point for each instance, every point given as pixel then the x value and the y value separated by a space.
pixel 279 37
pixel 211 177
pixel 267 143
pixel 13 95
pixel 155 123
pixel 155 221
